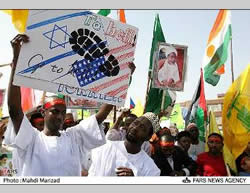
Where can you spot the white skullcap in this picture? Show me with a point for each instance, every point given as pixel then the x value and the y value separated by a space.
pixel 153 118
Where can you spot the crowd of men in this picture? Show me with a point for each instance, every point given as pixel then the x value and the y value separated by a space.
pixel 49 142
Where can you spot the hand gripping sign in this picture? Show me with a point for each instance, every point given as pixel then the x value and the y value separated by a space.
pixel 77 53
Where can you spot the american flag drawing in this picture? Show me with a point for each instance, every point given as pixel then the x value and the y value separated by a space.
pixel 117 86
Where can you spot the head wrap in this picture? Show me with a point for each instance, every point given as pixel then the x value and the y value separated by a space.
pixel 56 101
pixel 38 120
pixel 169 50
pixel 166 143
pixel 191 125
pixel 153 118
pixel 69 121
pixel 214 139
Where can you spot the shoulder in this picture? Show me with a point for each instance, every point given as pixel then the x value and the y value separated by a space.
pixel 88 122
pixel 178 149
pixel 202 155
pixel 109 144
pixel 113 135
pixel 147 158
pixel 149 161
pixel 150 165
pixel 85 124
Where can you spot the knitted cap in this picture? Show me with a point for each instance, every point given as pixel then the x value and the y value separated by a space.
pixel 153 118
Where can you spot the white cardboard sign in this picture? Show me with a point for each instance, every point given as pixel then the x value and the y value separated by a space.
pixel 77 53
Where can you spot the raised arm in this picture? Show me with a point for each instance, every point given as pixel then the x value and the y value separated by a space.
pixel 119 119
pixel 14 93
pixel 103 112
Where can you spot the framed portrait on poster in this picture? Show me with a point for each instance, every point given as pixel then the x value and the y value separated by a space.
pixel 169 66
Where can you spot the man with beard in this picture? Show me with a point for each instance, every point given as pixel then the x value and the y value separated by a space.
pixel 51 152
pixel 118 133
pixel 126 158
pixel 212 163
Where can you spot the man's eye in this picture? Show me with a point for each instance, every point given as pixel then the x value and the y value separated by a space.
pixel 54 111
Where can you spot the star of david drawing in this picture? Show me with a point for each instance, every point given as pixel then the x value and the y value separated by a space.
pixel 57 36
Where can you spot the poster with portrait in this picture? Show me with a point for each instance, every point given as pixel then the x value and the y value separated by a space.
pixel 169 66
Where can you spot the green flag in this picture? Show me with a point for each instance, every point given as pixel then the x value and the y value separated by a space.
pixel 104 12
pixel 158 36
pixel 154 99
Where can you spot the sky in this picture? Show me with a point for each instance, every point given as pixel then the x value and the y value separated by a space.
pixel 184 27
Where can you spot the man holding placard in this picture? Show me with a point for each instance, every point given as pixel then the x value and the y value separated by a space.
pixel 50 152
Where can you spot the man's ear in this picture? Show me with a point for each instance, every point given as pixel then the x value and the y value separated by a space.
pixel 149 137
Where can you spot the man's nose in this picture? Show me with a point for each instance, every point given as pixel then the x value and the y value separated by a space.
pixel 213 145
pixel 60 116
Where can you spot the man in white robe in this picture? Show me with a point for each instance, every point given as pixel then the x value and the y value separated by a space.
pixel 51 152
pixel 118 133
pixel 126 158
pixel 168 74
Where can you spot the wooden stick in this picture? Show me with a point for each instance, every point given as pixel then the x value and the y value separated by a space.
pixel 228 170
pixel 147 91
pixel 3 65
pixel 163 99
pixel 43 97
pixel 232 69
pixel 114 118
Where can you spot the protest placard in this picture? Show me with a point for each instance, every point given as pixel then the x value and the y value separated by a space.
pixel 77 53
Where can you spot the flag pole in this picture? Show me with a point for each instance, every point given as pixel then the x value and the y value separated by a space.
pixel 3 65
pixel 114 118
pixel 232 69
pixel 163 99
pixel 147 90
pixel 43 97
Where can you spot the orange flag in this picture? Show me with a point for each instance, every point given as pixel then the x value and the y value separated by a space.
pixel 121 15
pixel 28 98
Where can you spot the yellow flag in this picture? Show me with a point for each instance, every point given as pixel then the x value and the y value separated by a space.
pixel 138 110
pixel 213 128
pixel 19 18
pixel 236 114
